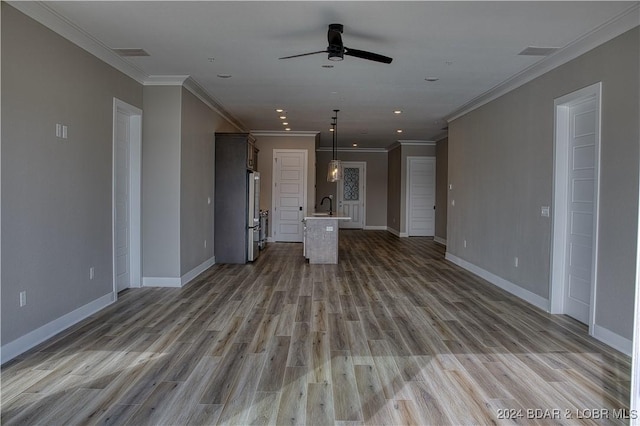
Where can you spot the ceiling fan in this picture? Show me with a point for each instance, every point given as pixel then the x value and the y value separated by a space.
pixel 337 50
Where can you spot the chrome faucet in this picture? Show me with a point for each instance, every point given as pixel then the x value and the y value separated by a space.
pixel 330 204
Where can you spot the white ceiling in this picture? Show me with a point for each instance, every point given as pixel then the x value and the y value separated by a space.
pixel 471 47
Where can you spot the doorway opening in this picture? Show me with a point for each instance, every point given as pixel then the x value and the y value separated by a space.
pixel 126 196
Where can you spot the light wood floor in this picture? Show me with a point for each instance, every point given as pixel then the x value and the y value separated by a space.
pixel 394 334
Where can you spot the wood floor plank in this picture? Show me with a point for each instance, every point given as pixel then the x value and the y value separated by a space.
pixel 390 335
pixel 293 401
pixel 319 404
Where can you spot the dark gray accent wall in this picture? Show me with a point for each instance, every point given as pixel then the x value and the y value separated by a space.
pixel 501 167
pixel 394 188
pixel 56 193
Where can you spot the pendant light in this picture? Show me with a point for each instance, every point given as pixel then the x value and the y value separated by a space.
pixel 334 173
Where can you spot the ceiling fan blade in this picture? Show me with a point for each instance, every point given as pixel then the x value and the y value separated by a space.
pixel 304 54
pixel 367 55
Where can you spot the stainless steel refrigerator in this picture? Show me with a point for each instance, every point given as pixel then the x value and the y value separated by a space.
pixel 253 216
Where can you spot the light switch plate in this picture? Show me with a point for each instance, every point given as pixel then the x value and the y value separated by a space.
pixel 544 211
pixel 329 228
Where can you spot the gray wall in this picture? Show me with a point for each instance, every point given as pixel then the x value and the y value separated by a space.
pixel 56 194
pixel 375 185
pixel 199 124
pixel 161 181
pixel 501 166
pixel 442 166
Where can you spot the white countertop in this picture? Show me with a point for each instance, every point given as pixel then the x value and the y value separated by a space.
pixel 325 215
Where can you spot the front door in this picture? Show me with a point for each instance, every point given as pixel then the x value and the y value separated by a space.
pixel 351 195
pixel 289 194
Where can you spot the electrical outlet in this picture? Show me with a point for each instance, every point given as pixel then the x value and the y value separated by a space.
pixel 205 243
pixel 464 243
pixel 64 132
pixel 92 272
pixel 58 130
pixel 515 261
pixel 23 298
pixel 453 202
pixel 544 211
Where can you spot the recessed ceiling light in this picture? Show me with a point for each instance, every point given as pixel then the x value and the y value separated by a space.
pixel 355 144
pixel 283 117
pixel 287 129
pixel 224 75
pixel 397 111
pixel 279 110
pixel 399 131
pixel 331 130
pixel 431 79
pixel 284 123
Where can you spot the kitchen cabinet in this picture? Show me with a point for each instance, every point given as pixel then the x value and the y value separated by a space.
pixel 252 155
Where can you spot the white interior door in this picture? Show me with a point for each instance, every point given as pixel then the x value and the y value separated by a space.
pixel 581 201
pixel 351 194
pixel 126 195
pixel 289 194
pixel 421 196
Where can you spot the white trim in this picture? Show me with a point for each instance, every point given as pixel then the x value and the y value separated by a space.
pixel 409 143
pixel 350 149
pixel 612 339
pixel 135 193
pixel 598 36
pixel 375 228
pixel 280 133
pixel 508 286
pixel 562 106
pixel 192 274
pixel 199 92
pixel 43 13
pixel 165 80
pixel 440 240
pixel 393 231
pixel 40 334
pixel 161 282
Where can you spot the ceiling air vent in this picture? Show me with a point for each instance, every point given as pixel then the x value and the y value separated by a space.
pixel 538 51
pixel 131 52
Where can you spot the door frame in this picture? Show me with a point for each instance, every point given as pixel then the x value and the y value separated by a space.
pixel 135 196
pixel 408 191
pixel 305 161
pixel 562 107
pixel 363 181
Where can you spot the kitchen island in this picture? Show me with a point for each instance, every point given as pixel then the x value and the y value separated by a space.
pixel 321 238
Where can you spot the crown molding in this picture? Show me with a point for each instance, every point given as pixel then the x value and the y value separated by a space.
pixel 607 31
pixel 280 133
pixel 44 14
pixel 349 149
pixel 199 92
pixel 399 143
pixel 165 80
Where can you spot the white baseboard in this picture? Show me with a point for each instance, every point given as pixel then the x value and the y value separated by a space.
pixel 612 339
pixel 441 241
pixel 512 288
pixel 161 282
pixel 375 228
pixel 39 335
pixel 270 240
pixel 393 231
pixel 186 278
